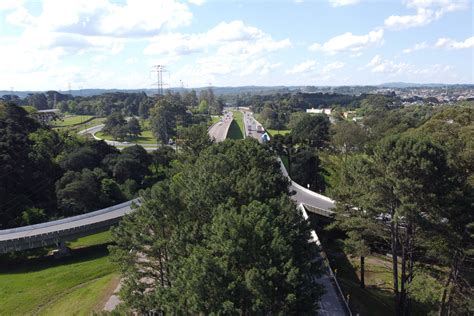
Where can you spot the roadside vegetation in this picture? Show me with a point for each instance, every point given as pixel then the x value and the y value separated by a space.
pixel 399 164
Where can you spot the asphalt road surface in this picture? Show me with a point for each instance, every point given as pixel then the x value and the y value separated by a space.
pixel 252 128
pixel 219 130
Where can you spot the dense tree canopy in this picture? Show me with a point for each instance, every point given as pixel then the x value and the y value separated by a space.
pixel 222 237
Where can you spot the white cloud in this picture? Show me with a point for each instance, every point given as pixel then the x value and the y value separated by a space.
pixel 418 46
pixel 349 42
pixel 379 65
pixel 228 50
pixel 305 66
pixel 196 2
pixel 229 38
pixel 375 61
pixel 427 11
pixel 452 44
pixel 105 18
pixel 340 3
pixel 6 5
pixel 332 66
pixel 404 70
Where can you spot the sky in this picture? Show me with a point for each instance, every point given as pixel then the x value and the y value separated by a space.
pixel 57 44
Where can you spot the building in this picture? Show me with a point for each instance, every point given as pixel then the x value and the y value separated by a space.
pixel 319 111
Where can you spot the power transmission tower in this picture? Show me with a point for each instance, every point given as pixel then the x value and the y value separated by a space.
pixel 159 69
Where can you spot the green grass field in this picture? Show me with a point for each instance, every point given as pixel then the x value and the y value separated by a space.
pixel 274 132
pixel 145 138
pixel 72 120
pixel 75 285
pixel 92 240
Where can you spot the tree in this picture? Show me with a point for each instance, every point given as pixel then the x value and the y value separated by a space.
pixel 132 164
pixel 283 146
pixel 116 126
pixel 190 99
pixel 162 157
pixel 203 107
pixel 348 137
pixel 312 130
pixel 398 189
pixel 80 192
pixel 24 178
pixel 356 246
pixel 307 170
pixel 211 248
pixel 165 116
pixel 194 139
pixel 134 128
pixel 38 100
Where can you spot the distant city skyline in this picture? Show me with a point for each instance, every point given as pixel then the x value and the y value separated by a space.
pixel 107 44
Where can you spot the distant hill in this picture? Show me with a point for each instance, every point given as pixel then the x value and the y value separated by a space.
pixel 355 89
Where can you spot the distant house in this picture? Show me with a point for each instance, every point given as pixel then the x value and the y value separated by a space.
pixel 319 111
pixel 348 113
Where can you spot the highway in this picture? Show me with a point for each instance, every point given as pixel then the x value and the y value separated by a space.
pixel 315 202
pixel 218 131
pixel 252 128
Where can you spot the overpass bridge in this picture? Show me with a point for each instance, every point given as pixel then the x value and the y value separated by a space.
pixel 56 232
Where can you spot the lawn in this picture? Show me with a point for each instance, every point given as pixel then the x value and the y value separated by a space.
pixel 72 120
pixel 79 284
pixel 237 128
pixel 146 137
pixel 91 240
pixel 274 132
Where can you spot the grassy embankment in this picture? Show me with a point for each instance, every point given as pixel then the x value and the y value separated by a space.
pixel 76 285
pixel 237 128
pixel 146 137
pixel 73 123
pixel 272 132
pixel 71 120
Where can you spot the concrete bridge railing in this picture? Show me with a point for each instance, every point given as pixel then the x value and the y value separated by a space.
pixel 54 232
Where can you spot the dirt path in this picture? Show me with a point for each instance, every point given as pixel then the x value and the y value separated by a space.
pixel 113 299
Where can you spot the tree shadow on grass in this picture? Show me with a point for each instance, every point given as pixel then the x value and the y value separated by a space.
pixel 24 263
pixel 368 301
pixel 234 131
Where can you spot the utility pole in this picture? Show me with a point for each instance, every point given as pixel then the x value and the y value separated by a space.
pixel 159 69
